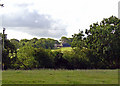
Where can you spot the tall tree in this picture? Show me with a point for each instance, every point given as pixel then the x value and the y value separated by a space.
pixel 102 41
pixel 9 54
pixel 15 42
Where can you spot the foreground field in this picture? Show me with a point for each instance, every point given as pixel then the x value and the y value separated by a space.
pixel 46 76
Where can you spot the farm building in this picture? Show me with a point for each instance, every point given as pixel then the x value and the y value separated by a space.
pixel 62 45
pixel 58 45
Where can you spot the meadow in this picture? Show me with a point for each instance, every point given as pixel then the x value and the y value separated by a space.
pixel 62 49
pixel 50 76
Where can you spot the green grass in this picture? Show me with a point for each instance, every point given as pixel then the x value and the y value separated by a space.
pixel 46 76
pixel 62 49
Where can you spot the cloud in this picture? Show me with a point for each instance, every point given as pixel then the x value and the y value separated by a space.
pixel 28 19
pixel 21 18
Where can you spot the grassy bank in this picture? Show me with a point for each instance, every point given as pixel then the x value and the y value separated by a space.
pixel 46 76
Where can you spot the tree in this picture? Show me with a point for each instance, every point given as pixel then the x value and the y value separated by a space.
pixel 78 40
pixel 15 42
pixel 23 42
pixel 102 41
pixel 25 58
pixel 8 54
pixel 66 40
pixel 43 58
pixel 46 43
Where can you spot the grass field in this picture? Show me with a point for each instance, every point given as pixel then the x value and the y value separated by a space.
pixel 63 49
pixel 46 76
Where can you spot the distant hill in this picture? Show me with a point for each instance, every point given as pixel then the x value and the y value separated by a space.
pixel 63 49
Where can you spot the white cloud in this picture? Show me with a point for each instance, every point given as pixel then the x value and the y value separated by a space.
pixel 32 22
pixel 75 14
pixel 18 35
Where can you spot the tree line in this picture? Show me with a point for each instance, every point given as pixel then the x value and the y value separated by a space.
pixel 95 48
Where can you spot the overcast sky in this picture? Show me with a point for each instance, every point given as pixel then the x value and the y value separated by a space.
pixel 52 18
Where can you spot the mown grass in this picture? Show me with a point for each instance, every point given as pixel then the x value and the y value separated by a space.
pixel 62 49
pixel 47 76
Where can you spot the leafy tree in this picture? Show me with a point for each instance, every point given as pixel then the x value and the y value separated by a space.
pixel 23 42
pixel 46 43
pixel 34 40
pixel 66 40
pixel 78 40
pixel 15 42
pixel 58 60
pixel 43 58
pixel 8 54
pixel 25 58
pixel 102 41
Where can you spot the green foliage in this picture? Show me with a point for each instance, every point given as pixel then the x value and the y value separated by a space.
pixel 23 42
pixel 25 58
pixel 78 40
pixel 38 43
pixel 66 40
pixel 29 57
pixel 43 58
pixel 15 42
pixel 103 41
pixel 98 48
pixel 8 55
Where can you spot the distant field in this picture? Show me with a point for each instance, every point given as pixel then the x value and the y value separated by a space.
pixel 63 49
pixel 46 76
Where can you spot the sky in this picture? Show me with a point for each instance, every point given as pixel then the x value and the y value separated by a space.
pixel 52 18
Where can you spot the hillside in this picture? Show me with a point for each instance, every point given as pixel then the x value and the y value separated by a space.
pixel 63 49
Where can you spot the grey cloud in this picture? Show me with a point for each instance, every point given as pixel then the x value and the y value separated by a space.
pixel 27 19
pixel 33 23
pixel 48 33
pixel 24 5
